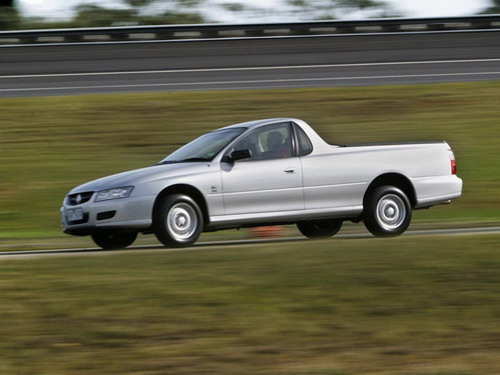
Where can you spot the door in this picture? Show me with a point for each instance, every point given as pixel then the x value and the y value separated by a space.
pixel 268 182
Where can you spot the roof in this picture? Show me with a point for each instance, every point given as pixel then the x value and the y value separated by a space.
pixel 257 123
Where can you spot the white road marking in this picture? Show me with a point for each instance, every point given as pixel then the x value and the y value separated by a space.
pixel 209 245
pixel 354 78
pixel 288 67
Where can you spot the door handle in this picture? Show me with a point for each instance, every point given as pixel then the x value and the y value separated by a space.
pixel 290 170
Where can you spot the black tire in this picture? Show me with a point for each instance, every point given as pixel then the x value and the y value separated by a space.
pixel 114 240
pixel 178 221
pixel 387 212
pixel 319 228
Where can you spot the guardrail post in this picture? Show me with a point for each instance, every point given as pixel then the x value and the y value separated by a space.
pixel 254 32
pixel 165 35
pixel 28 40
pixel 436 26
pixel 391 28
pixel 210 33
pixel 73 38
pixel 482 25
pixel 346 29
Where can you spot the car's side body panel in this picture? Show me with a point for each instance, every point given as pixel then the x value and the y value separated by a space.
pixel 341 176
pixel 262 186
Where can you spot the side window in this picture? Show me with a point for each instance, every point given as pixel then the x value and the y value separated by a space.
pixel 250 142
pixel 268 142
pixel 305 145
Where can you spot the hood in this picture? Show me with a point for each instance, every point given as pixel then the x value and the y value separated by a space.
pixel 140 176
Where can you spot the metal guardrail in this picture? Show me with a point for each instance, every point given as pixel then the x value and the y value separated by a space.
pixel 203 31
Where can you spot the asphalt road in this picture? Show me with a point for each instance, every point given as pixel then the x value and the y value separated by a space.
pixel 218 244
pixel 275 62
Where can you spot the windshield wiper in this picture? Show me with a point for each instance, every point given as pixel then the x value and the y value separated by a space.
pixel 185 160
pixel 193 159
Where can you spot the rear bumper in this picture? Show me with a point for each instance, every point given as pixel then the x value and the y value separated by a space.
pixel 437 190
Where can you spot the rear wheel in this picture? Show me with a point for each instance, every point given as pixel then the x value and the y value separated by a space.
pixel 114 240
pixel 319 228
pixel 387 212
pixel 178 221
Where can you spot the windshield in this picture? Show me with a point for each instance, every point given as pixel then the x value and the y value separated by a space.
pixel 204 148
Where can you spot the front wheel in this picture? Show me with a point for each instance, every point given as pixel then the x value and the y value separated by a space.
pixel 387 212
pixel 178 221
pixel 112 240
pixel 319 228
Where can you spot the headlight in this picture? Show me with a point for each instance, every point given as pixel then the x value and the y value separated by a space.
pixel 115 193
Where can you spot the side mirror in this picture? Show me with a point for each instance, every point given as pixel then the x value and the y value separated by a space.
pixel 239 155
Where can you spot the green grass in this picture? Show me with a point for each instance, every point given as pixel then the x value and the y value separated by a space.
pixel 49 145
pixel 406 306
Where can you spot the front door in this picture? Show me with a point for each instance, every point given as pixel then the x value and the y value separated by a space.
pixel 270 181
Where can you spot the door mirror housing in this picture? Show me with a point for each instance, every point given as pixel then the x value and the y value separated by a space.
pixel 239 155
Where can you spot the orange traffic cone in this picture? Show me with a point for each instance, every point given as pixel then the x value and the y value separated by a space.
pixel 268 231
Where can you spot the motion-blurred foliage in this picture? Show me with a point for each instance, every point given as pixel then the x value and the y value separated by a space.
pixel 162 12
pixel 49 145
pixel 9 16
pixel 494 8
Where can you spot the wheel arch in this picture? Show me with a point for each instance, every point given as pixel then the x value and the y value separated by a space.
pixel 188 190
pixel 393 179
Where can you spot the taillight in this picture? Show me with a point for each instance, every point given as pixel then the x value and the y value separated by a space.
pixel 453 162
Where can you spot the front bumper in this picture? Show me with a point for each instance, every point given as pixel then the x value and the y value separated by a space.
pixel 132 213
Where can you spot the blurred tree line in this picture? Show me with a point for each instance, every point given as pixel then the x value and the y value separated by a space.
pixel 495 7
pixel 9 17
pixel 149 12
pixel 91 15
pixel 152 12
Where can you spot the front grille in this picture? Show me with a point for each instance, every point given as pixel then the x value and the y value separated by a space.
pixel 76 199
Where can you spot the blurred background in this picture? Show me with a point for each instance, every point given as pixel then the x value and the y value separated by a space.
pixel 43 138
pixel 30 14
